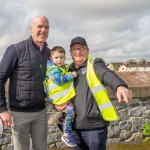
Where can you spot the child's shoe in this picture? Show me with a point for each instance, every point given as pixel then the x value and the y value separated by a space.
pixel 67 138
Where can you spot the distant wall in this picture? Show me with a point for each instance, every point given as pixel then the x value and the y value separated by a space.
pixel 131 119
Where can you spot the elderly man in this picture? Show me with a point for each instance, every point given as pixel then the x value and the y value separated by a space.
pixel 93 107
pixel 24 64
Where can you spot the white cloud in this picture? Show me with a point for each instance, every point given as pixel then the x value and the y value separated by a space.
pixel 114 29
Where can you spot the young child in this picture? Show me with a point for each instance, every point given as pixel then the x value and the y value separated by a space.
pixel 59 88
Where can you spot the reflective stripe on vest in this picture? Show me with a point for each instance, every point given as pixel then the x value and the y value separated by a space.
pixel 61 94
pixel 100 93
pixel 98 88
pixel 51 86
pixel 106 105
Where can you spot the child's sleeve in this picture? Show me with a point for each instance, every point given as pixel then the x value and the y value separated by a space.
pixel 59 78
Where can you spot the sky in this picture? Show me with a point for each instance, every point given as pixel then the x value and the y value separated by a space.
pixel 115 30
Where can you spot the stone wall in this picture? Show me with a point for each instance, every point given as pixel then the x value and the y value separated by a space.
pixel 131 119
pixel 132 116
pixel 129 127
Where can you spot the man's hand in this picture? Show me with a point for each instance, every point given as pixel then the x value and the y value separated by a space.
pixel 123 94
pixel 6 118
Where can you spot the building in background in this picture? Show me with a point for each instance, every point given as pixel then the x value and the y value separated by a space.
pixel 130 66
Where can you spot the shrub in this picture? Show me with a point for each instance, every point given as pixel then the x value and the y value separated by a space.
pixel 146 132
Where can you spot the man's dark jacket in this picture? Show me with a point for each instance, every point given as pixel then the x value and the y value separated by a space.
pixel 25 66
pixel 88 116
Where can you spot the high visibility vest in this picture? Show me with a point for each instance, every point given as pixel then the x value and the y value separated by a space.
pixel 59 94
pixel 100 93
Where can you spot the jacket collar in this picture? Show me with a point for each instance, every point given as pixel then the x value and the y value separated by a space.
pixel 32 43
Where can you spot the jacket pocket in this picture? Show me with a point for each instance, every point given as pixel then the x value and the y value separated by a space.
pixel 94 113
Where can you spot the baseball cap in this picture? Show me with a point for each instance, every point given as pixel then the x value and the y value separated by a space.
pixel 79 40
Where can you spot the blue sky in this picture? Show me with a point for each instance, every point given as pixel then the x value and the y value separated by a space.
pixel 116 30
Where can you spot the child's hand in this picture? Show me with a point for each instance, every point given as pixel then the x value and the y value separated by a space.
pixel 74 73
pixel 49 79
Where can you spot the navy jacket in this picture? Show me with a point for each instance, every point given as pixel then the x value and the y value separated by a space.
pixel 25 66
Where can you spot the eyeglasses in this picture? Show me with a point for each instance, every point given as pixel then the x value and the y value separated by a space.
pixel 81 49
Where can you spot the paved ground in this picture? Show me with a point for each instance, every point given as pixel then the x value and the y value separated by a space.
pixel 129 146
pixel 122 146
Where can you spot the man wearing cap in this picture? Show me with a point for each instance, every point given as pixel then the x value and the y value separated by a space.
pixel 93 107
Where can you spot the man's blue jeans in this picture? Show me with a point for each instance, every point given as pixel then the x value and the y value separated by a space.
pixel 90 140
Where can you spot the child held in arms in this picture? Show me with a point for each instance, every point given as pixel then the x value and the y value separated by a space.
pixel 60 90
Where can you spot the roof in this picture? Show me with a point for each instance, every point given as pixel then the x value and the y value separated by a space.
pixel 136 79
pixel 138 64
pixel 131 64
pixel 116 63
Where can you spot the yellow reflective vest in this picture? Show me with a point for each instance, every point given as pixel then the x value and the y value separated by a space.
pixel 59 94
pixel 100 93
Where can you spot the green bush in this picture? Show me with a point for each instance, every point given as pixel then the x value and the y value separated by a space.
pixel 146 132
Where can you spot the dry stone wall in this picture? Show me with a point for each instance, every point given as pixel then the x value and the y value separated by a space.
pixel 128 128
